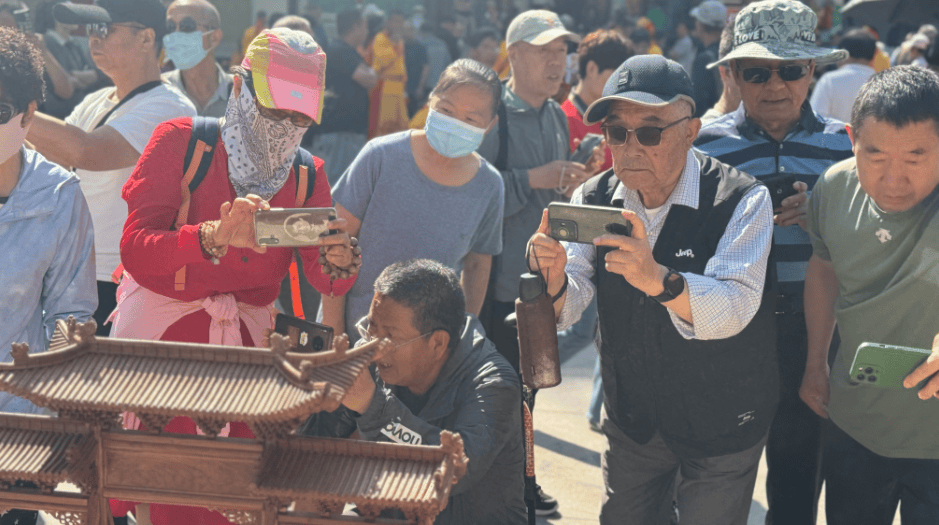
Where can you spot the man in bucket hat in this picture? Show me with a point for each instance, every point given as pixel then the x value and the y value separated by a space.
pixel 687 385
pixel 776 136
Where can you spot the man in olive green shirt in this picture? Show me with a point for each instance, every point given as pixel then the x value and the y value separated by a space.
pixel 875 270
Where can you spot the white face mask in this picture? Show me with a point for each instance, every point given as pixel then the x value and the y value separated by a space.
pixel 12 136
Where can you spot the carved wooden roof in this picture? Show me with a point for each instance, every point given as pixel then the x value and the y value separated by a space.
pixel 373 476
pixel 82 375
pixel 44 450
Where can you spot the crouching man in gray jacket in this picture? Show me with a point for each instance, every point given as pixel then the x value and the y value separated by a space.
pixel 442 374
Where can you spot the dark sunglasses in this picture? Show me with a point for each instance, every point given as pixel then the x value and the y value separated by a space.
pixel 186 25
pixel 646 135
pixel 7 112
pixel 296 118
pixel 103 29
pixel 760 75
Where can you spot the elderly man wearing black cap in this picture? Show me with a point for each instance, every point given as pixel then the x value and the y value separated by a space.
pixel 106 133
pixel 689 382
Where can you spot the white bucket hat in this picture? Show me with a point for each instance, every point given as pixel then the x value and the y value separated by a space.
pixel 778 30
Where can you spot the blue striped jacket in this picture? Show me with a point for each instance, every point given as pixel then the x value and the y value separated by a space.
pixel 808 150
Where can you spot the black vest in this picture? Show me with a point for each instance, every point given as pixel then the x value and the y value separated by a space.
pixel 705 398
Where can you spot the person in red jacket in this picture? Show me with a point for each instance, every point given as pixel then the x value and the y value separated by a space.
pixel 192 270
pixel 598 55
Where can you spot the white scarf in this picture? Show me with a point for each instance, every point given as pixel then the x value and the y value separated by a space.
pixel 260 151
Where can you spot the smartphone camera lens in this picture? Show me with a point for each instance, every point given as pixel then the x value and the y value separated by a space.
pixel 872 379
pixel 869 370
pixel 861 377
pixel 318 344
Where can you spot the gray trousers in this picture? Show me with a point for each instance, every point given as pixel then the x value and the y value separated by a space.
pixel 642 481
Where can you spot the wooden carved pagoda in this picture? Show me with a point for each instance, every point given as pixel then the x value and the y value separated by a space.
pixel 90 381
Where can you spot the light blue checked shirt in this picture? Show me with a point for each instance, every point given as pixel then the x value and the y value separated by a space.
pixel 727 296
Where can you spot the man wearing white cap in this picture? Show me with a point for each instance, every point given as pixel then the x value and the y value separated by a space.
pixel 530 147
pixel 777 137
pixel 710 18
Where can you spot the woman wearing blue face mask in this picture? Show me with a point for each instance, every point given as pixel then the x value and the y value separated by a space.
pixel 426 193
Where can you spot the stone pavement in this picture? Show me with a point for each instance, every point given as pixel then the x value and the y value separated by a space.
pixel 567 452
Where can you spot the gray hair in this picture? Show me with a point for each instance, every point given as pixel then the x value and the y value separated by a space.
pixel 899 95
pixel 468 72
pixel 431 291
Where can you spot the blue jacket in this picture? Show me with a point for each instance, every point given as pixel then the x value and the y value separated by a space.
pixel 47 265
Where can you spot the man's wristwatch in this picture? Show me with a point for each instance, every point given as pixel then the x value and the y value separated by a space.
pixel 673 284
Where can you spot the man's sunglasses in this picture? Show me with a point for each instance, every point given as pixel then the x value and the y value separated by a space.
pixel 103 29
pixel 760 75
pixel 296 118
pixel 7 112
pixel 646 135
pixel 186 25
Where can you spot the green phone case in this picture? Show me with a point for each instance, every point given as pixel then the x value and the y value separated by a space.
pixel 885 366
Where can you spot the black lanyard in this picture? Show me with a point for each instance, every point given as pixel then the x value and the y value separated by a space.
pixel 579 104
pixel 138 90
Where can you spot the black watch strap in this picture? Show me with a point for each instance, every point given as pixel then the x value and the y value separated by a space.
pixel 561 291
pixel 670 291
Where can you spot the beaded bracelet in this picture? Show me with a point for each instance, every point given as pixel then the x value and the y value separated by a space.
pixel 336 272
pixel 210 250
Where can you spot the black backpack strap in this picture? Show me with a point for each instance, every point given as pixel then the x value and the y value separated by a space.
pixel 502 158
pixel 305 158
pixel 207 130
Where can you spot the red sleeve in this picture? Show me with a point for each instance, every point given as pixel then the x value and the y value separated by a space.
pixel 154 196
pixel 321 198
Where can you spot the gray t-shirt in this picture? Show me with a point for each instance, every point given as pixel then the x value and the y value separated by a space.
pixel 407 216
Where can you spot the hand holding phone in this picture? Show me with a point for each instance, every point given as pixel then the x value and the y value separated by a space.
pixel 583 223
pixel 780 187
pixel 305 336
pixel 885 366
pixel 292 227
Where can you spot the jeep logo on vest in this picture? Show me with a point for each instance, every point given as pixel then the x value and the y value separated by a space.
pixel 401 434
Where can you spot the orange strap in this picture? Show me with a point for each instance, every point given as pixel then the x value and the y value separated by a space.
pixel 302 181
pixel 183 215
pixel 295 290
pixel 116 274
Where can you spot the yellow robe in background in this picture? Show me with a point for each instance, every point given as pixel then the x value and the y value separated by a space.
pixel 502 67
pixel 388 108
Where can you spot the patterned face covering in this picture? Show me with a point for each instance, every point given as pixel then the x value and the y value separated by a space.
pixel 260 151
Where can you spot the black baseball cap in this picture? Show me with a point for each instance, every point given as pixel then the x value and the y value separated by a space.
pixel 148 13
pixel 648 80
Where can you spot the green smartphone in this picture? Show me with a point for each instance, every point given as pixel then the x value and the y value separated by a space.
pixel 885 366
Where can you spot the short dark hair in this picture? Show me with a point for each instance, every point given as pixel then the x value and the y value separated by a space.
pixel 261 14
pixel 606 48
pixel 859 44
pixel 347 20
pixel 468 72
pixel 899 95
pixel 477 37
pixel 431 291
pixel 640 35
pixel 21 70
pixel 271 20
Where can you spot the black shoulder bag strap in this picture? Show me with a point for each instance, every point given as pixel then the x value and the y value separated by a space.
pixel 207 130
pixel 138 90
pixel 305 158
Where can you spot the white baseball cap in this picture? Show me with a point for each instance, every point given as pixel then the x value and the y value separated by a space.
pixel 537 27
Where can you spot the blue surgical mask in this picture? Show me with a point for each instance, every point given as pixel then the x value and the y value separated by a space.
pixel 184 49
pixel 452 137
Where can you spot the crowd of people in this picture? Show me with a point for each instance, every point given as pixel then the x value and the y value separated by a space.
pixel 782 196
